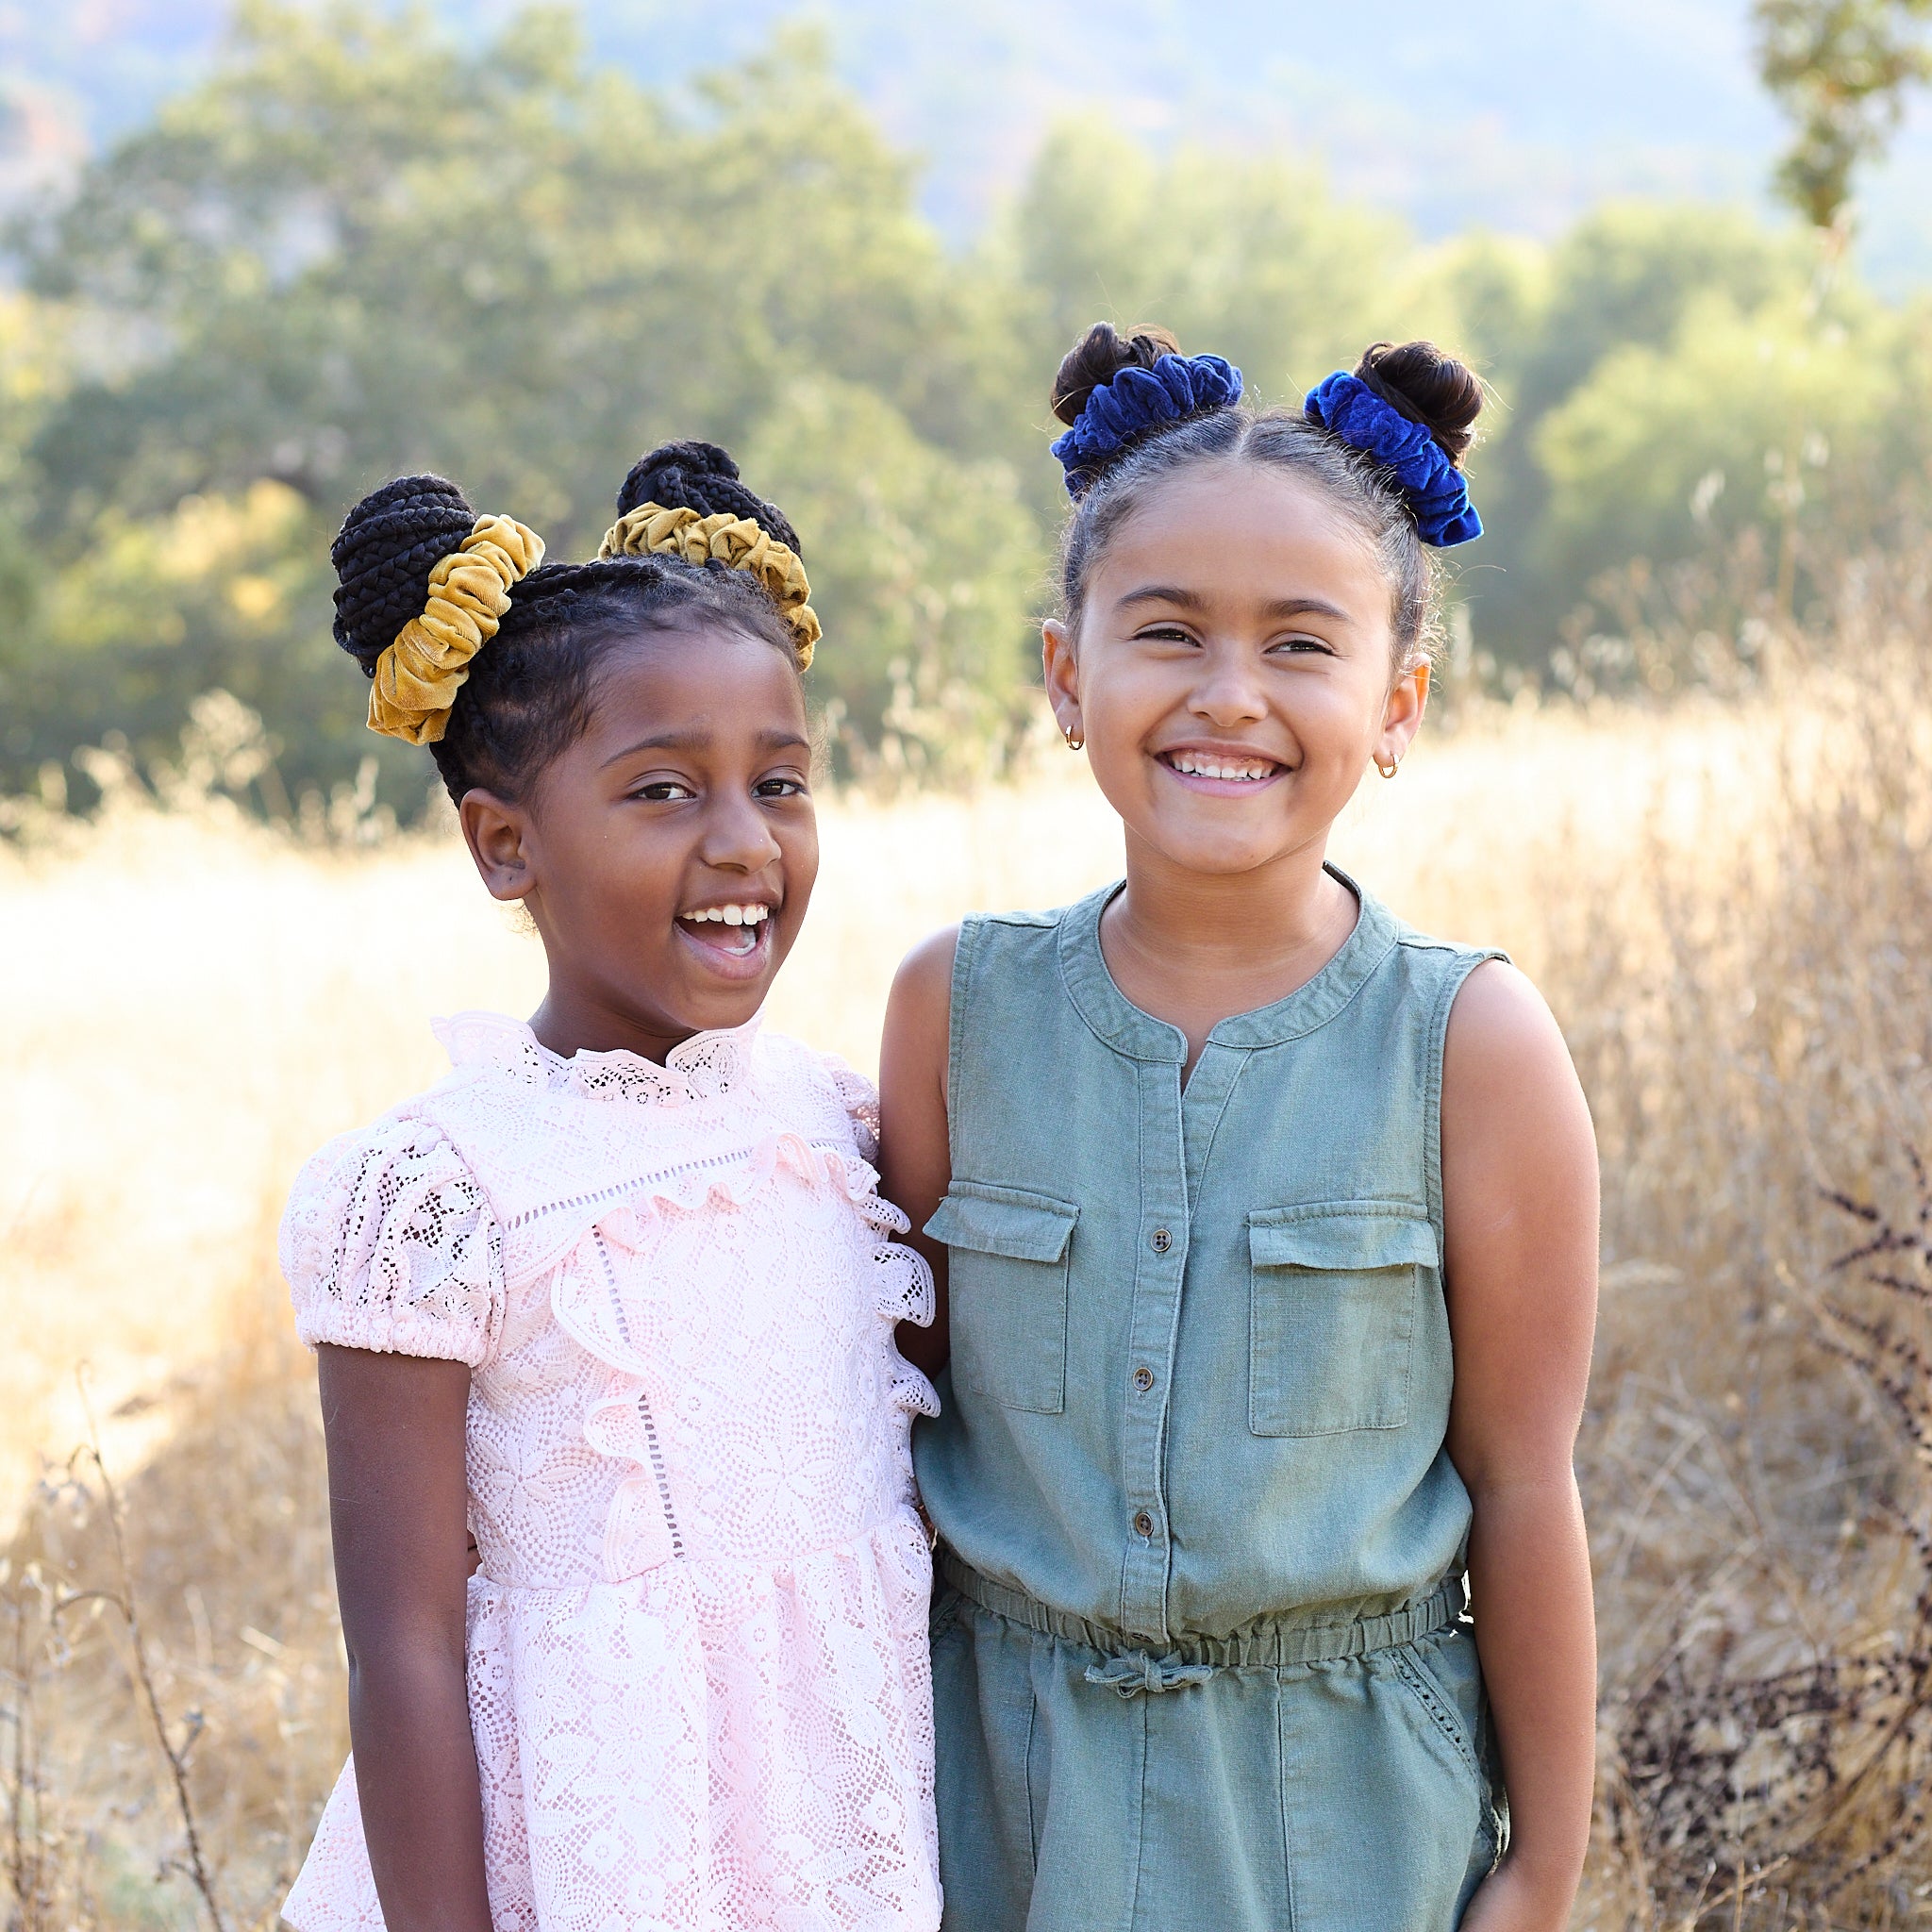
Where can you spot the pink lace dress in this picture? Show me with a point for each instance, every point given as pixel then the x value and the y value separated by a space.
pixel 698 1667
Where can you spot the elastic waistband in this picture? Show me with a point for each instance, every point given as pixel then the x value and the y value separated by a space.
pixel 1270 1642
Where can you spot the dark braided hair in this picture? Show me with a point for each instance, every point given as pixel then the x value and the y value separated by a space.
pixel 531 690
pixel 1416 378
pixel 700 477
pixel 384 553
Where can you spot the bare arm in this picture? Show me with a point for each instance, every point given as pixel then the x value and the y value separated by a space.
pixel 915 1158
pixel 398 1509
pixel 1520 1202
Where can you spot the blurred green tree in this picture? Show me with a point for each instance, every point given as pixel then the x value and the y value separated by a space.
pixel 365 247
pixel 1624 279
pixel 367 244
pixel 1249 255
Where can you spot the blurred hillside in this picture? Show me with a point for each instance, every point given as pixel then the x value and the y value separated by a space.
pixel 1506 114
pixel 361 245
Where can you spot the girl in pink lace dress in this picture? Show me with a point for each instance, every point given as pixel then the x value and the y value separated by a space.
pixel 617 1296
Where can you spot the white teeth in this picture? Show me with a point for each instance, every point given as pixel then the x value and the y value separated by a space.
pixel 1196 766
pixel 729 915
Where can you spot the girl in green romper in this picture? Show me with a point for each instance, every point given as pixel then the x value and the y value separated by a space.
pixel 1268 1233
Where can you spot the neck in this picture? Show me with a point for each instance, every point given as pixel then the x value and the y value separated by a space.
pixel 1195 949
pixel 575 1020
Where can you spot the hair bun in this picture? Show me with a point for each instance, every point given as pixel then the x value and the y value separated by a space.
pixel 1428 387
pixel 1099 355
pixel 383 555
pixel 701 477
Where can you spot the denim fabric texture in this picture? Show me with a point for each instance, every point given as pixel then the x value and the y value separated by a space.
pixel 1200 1657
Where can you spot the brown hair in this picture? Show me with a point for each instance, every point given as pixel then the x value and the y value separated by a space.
pixel 1420 380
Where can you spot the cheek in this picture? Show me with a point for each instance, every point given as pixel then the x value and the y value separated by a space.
pixel 800 845
pixel 1122 698
pixel 617 868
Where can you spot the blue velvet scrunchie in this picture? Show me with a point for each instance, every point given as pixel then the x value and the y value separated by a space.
pixel 1138 400
pixel 1438 495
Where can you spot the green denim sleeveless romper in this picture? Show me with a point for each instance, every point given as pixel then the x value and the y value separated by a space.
pixel 1199 1653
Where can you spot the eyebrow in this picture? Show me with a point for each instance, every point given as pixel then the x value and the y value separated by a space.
pixel 1185 599
pixel 702 741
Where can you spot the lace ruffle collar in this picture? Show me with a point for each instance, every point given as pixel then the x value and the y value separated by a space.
pixel 701 1068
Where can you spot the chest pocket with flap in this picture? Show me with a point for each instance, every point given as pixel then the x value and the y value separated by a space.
pixel 1332 1315
pixel 1007 1291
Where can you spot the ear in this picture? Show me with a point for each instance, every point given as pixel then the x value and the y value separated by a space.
pixel 1401 716
pixel 1062 676
pixel 499 837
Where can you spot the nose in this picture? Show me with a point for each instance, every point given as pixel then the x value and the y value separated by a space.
pixel 1229 689
pixel 736 838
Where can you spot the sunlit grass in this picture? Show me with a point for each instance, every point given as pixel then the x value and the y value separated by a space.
pixel 1730 909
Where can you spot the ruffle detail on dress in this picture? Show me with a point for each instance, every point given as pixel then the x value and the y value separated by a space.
pixel 639 1532
pixel 860 1100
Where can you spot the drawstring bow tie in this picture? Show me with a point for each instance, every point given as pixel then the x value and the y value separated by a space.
pixel 1131 1675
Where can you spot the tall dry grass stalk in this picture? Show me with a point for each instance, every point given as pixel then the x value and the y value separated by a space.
pixel 1730 906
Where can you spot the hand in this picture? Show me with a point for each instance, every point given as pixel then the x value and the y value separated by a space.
pixel 1514 1899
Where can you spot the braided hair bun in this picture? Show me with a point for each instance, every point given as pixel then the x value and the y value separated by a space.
pixel 1428 387
pixel 1098 356
pixel 701 477
pixel 383 555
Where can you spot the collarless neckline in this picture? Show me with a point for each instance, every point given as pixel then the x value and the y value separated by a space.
pixel 1132 1030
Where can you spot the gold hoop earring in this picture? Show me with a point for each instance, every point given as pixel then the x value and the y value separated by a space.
pixel 1075 743
pixel 1390 770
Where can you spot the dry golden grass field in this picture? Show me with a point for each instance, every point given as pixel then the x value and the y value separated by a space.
pixel 1731 907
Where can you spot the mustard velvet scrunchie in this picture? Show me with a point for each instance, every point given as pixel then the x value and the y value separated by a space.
pixel 417 678
pixel 651 530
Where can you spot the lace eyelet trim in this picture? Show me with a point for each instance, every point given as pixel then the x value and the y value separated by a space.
pixel 705 1067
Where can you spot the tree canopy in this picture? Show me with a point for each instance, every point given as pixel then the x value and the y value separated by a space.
pixel 366 245
pixel 1839 69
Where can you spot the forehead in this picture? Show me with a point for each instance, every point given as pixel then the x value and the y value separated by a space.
pixel 1238 532
pixel 712 678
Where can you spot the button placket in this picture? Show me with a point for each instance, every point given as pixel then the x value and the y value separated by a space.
pixel 1150 1348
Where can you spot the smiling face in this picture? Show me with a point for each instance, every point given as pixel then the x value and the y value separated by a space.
pixel 667 854
pixel 1233 673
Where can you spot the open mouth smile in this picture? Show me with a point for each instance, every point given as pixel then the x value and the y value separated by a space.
pixel 1224 774
pixel 732 939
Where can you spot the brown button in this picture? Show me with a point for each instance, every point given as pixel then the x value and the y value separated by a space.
pixel 1143 1379
pixel 1143 1525
pixel 1160 1240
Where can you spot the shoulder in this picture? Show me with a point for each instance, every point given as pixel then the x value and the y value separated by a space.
pixel 927 973
pixel 402 1140
pixel 1510 1095
pixel 958 956
pixel 838 1098
pixel 388 1242
pixel 1500 1022
pixel 367 1173
pixel 917 1039
pixel 925 978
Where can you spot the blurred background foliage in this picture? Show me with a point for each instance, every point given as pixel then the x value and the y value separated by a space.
pixel 366 244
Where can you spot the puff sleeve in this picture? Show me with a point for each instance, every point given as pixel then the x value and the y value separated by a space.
pixel 389 1245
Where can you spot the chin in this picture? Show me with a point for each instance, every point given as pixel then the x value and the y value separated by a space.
pixel 717 1009
pixel 1221 857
